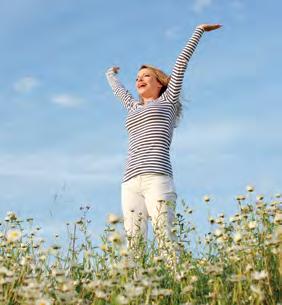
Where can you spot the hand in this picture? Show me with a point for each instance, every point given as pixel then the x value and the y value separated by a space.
pixel 115 70
pixel 209 27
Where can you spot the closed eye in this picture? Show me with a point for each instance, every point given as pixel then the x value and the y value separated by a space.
pixel 145 75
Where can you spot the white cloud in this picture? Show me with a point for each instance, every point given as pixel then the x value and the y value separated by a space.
pixel 67 100
pixel 26 84
pixel 44 166
pixel 200 5
pixel 238 9
pixel 172 32
pixel 229 136
pixel 207 137
pixel 220 156
pixel 237 4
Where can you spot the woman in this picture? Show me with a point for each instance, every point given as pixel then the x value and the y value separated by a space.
pixel 147 188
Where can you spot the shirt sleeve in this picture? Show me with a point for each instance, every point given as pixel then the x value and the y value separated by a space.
pixel 119 91
pixel 174 86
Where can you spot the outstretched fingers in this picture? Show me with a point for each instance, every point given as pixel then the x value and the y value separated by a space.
pixel 116 69
pixel 209 27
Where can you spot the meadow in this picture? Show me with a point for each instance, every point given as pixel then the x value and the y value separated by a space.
pixel 238 262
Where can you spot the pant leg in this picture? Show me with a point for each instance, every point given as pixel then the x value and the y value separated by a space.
pixel 134 210
pixel 160 199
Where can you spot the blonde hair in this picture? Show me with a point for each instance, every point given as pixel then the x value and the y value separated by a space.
pixel 164 79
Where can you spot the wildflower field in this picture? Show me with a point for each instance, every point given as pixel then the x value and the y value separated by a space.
pixel 239 261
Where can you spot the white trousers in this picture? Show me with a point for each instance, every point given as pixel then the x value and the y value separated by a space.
pixel 149 195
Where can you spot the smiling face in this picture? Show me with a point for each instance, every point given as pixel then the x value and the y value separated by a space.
pixel 147 84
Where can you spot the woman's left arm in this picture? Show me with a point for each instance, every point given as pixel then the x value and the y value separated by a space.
pixel 176 79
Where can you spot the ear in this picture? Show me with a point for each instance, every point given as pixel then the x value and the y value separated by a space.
pixel 159 84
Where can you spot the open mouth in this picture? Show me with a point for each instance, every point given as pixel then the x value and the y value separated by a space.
pixel 141 86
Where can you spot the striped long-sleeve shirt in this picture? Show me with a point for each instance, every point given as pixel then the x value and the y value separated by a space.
pixel 150 127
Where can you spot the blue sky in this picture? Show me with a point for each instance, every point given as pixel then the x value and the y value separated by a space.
pixel 62 137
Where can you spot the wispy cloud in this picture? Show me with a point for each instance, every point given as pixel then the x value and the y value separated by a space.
pixel 222 136
pixel 172 32
pixel 224 155
pixel 45 166
pixel 208 137
pixel 237 4
pixel 67 100
pixel 238 9
pixel 200 5
pixel 26 84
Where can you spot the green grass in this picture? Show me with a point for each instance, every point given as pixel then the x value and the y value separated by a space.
pixel 238 262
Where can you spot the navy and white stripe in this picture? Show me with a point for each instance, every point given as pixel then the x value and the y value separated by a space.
pixel 150 127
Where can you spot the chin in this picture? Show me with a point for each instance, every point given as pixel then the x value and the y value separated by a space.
pixel 141 92
pixel 145 93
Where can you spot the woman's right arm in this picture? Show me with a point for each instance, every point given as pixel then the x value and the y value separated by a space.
pixel 118 89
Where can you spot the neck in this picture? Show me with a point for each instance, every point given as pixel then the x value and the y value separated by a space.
pixel 148 99
pixel 145 102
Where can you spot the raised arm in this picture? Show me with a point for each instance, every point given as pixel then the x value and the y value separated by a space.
pixel 176 79
pixel 118 89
